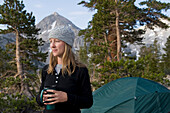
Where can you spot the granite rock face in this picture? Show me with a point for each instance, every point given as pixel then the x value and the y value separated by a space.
pixel 7 38
pixel 150 35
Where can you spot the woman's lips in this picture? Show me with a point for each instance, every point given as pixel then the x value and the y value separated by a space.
pixel 54 50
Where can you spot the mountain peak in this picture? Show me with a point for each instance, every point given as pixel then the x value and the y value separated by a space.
pixel 55 13
pixel 54 20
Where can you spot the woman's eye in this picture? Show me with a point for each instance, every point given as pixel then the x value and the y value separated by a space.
pixel 57 41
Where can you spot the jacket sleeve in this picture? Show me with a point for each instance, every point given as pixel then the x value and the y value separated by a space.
pixel 43 75
pixel 85 99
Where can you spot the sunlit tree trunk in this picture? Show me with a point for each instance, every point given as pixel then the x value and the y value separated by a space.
pixel 118 33
pixel 18 59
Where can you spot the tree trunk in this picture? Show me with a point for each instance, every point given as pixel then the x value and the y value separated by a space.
pixel 23 87
pixel 112 48
pixel 18 62
pixel 118 34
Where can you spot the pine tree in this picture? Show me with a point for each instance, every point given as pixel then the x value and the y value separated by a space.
pixel 25 56
pixel 22 24
pixel 115 23
pixel 83 55
pixel 166 57
pixel 4 59
pixel 152 58
pixel 147 66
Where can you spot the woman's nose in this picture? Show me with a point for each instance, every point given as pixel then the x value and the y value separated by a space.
pixel 52 45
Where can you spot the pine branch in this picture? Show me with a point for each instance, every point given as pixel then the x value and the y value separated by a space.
pixel 6 74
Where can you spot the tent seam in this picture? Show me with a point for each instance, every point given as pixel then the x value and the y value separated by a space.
pixel 135 93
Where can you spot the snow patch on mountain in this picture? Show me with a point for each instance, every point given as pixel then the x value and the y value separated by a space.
pixel 52 26
pixel 3 26
pixel 150 35
pixel 44 32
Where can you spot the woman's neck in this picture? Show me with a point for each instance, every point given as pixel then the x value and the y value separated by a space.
pixel 60 60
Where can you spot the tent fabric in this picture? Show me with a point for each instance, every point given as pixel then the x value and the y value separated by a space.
pixel 131 95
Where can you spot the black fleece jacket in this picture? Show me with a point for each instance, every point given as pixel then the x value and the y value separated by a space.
pixel 77 86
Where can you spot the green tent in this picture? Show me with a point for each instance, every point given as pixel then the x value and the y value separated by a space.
pixel 131 95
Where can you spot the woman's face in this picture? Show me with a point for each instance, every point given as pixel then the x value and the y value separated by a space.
pixel 57 46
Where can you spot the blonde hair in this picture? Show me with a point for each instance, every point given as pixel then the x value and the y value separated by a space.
pixel 68 60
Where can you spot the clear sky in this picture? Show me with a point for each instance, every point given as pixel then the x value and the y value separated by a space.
pixel 69 9
pixel 77 14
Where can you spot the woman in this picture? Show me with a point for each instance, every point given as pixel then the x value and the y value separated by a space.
pixel 69 77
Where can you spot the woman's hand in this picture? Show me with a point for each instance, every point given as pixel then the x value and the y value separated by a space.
pixel 44 98
pixel 56 97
